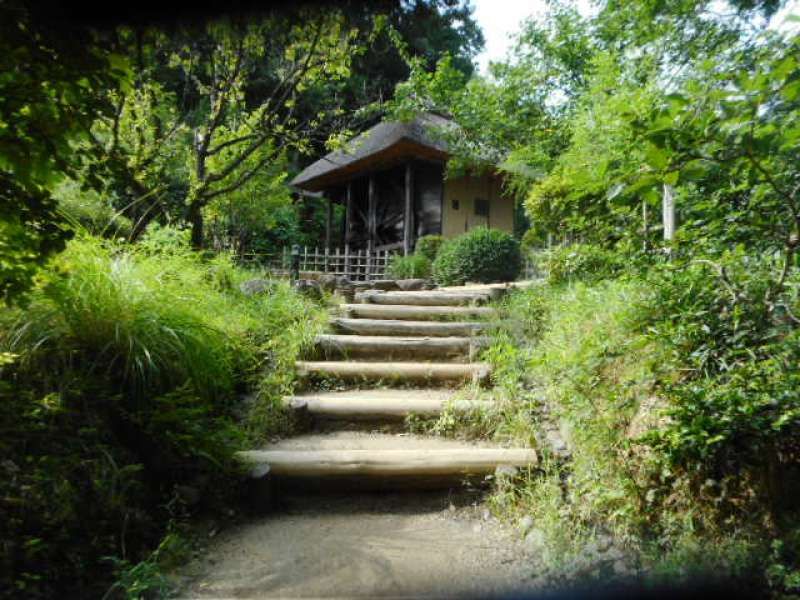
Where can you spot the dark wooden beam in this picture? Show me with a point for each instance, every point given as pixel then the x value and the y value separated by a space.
pixel 328 224
pixel 372 219
pixel 408 221
pixel 348 224
pixel 348 215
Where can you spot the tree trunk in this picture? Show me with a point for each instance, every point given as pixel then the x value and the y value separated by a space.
pixel 194 213
pixel 194 216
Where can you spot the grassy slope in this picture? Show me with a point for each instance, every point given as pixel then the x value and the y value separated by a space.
pixel 121 398
pixel 576 358
pixel 573 350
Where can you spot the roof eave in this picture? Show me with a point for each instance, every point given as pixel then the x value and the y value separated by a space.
pixel 403 149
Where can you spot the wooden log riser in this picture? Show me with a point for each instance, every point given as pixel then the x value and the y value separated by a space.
pixel 421 298
pixel 399 355
pixel 379 348
pixel 395 327
pixel 374 483
pixel 374 409
pixel 396 372
pixel 415 313
pixel 422 462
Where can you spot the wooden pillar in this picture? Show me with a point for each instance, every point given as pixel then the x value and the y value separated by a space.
pixel 348 226
pixel 372 220
pixel 328 224
pixel 372 225
pixel 408 219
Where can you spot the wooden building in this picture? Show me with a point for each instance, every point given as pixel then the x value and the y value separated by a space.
pixel 391 181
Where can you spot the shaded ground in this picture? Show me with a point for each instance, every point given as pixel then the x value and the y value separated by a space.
pixel 363 545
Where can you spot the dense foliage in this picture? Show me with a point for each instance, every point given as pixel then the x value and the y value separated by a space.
pixel 481 255
pixel 581 262
pixel 51 89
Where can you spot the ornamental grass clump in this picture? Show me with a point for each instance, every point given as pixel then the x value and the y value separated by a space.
pixel 148 321
pixel 481 255
pixel 413 266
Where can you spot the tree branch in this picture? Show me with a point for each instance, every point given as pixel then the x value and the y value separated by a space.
pixel 244 178
pixel 221 146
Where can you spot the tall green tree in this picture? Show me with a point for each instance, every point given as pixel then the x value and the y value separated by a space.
pixel 51 88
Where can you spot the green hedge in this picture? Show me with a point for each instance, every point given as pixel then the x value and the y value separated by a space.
pixel 481 255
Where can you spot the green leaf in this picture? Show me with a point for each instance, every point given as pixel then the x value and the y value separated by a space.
pixel 693 171
pixel 647 181
pixel 656 157
pixel 791 91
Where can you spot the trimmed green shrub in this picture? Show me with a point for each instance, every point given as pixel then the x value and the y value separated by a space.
pixel 481 255
pixel 581 262
pixel 428 246
pixel 414 266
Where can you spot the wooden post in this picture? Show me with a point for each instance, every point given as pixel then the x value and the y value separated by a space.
pixel 372 219
pixel 408 220
pixel 668 212
pixel 328 224
pixel 348 227
pixel 372 224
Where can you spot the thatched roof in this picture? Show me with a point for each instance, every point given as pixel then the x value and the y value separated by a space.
pixel 386 142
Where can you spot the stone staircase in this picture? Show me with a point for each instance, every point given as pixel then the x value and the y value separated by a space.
pixel 422 345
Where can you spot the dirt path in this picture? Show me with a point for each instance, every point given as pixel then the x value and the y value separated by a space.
pixel 360 544
pixel 365 545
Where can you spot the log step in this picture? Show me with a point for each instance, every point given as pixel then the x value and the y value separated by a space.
pixel 375 404
pixel 378 347
pixel 396 371
pixel 415 313
pixel 467 460
pixel 423 298
pixel 410 328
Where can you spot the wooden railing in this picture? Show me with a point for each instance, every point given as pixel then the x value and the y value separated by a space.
pixel 356 265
